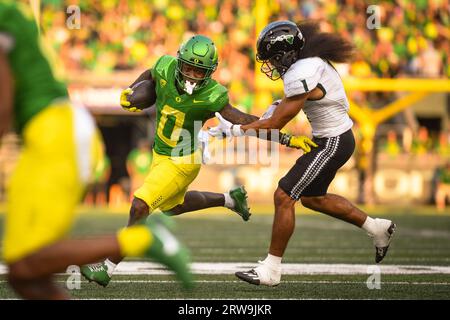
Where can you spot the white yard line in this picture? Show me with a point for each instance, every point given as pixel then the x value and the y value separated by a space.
pixel 288 268
pixel 414 283
pixel 287 281
pixel 149 268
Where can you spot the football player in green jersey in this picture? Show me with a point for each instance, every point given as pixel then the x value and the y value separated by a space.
pixel 186 96
pixel 60 148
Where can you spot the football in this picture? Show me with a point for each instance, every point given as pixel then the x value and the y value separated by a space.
pixel 144 94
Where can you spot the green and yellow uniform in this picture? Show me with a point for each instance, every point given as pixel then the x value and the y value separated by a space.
pixel 177 113
pixel 36 87
pixel 60 143
pixel 180 116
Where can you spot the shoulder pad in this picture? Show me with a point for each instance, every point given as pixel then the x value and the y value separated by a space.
pixel 303 76
pixel 162 64
pixel 218 95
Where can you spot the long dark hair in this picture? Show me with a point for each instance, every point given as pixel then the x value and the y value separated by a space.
pixel 328 46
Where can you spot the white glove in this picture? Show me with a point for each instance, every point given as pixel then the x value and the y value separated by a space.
pixel 270 110
pixel 225 128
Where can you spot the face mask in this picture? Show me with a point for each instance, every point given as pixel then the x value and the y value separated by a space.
pixel 189 86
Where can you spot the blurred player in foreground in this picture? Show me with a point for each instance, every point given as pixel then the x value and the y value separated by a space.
pixel 186 96
pixel 60 148
pixel 310 83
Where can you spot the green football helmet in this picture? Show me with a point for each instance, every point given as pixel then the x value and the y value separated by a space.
pixel 200 52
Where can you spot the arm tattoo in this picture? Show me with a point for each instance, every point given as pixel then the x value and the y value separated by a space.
pixel 238 117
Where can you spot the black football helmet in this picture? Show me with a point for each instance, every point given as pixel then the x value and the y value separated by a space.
pixel 277 47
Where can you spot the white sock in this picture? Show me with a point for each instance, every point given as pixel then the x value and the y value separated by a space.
pixel 273 261
pixel 111 267
pixel 370 225
pixel 229 202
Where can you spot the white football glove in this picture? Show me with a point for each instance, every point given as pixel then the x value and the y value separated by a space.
pixel 225 128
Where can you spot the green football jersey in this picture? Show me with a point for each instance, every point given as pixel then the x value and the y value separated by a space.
pixel 180 116
pixel 35 85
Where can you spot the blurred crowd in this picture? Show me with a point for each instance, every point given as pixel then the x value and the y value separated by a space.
pixel 406 142
pixel 412 38
pixel 121 35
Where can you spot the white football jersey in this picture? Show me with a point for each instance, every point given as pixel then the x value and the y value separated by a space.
pixel 328 116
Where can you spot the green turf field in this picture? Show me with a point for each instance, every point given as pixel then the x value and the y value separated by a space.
pixel 420 240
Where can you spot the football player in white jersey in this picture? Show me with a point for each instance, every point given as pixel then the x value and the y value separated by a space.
pixel 301 56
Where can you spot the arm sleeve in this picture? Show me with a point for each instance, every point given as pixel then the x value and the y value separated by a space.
pixel 16 24
pixel 219 99
pixel 223 100
pixel 153 68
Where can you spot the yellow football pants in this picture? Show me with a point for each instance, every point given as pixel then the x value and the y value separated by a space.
pixel 61 148
pixel 168 180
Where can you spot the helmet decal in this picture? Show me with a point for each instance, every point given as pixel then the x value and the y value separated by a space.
pixel 288 37
pixel 277 47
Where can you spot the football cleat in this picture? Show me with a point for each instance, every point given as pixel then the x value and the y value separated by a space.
pixel 261 275
pixel 166 249
pixel 239 195
pixel 382 239
pixel 249 276
pixel 96 272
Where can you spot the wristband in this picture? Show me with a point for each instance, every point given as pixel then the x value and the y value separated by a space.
pixel 285 139
pixel 236 130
